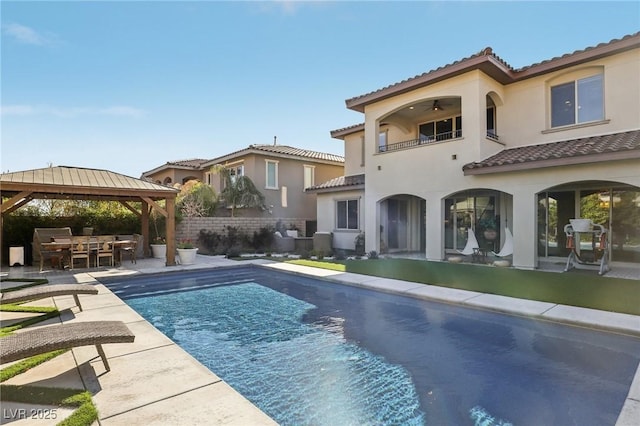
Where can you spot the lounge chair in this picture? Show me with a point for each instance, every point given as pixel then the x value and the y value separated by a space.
pixel 42 291
pixel 65 336
pixel 472 244
pixel 507 247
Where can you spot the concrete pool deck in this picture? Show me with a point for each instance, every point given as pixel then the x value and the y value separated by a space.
pixel 154 381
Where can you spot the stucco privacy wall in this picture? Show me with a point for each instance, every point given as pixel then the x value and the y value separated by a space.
pixel 189 228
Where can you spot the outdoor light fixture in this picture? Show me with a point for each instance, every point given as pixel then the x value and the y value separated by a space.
pixel 436 106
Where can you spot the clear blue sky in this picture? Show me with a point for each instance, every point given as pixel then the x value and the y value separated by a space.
pixel 128 86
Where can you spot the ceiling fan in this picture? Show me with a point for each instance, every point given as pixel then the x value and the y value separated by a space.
pixel 436 106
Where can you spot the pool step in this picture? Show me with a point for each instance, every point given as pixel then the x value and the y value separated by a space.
pixel 155 284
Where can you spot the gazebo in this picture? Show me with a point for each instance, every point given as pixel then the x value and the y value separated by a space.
pixel 75 183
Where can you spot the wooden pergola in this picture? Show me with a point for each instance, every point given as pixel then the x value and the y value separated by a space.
pixel 75 183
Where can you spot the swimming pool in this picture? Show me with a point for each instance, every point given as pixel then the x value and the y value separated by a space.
pixel 310 352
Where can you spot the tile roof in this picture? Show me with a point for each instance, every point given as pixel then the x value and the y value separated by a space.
pixel 282 150
pixel 341 182
pixel 497 68
pixel 194 163
pixel 338 133
pixel 63 176
pixel 617 146
pixel 577 52
pixel 298 152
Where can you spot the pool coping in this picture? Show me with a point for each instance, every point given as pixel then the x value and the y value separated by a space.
pixel 201 403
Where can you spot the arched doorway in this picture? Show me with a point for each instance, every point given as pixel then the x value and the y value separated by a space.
pixel 614 205
pixel 487 212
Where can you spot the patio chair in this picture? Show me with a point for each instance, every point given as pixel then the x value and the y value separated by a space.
pixel 130 249
pixel 45 235
pixel 472 244
pixel 507 247
pixel 105 249
pixel 80 249
pixel 42 291
pixel 65 336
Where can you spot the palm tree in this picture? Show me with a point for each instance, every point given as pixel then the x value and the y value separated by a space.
pixel 239 191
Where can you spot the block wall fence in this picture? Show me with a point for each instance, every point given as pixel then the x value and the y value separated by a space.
pixel 189 228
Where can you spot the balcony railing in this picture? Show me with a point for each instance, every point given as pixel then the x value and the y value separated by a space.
pixel 421 141
pixel 491 134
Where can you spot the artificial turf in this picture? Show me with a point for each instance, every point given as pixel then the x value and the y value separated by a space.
pixel 571 288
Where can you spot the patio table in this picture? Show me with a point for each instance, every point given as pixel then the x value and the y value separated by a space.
pixel 63 246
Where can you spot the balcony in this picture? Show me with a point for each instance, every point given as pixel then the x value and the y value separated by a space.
pixel 455 134
pixel 491 134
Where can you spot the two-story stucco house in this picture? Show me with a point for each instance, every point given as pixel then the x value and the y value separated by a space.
pixel 280 172
pixel 478 142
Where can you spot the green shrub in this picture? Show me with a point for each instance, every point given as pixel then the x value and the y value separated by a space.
pixel 210 241
pixel 304 254
pixel 233 252
pixel 263 238
pixel 340 255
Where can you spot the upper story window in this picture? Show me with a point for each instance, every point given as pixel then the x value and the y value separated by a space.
pixel 577 101
pixel 382 141
pixel 440 130
pixel 236 171
pixel 309 176
pixel 208 178
pixel 491 123
pixel 347 214
pixel 272 174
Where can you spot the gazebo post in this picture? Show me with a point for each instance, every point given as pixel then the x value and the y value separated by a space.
pixel 171 231
pixel 144 227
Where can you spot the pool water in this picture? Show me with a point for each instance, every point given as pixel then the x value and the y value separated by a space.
pixel 308 352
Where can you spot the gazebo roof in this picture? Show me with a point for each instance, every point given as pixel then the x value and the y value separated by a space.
pixel 80 183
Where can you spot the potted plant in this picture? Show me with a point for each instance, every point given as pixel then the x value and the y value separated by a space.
pixel 187 252
pixel 488 224
pixel 191 205
pixel 158 243
pixel 159 248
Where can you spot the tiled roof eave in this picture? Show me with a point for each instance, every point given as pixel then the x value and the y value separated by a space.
pixel 488 64
pixel 174 166
pixel 340 188
pixel 470 169
pixel 340 133
pixel 235 156
pixel 499 70
pixel 341 183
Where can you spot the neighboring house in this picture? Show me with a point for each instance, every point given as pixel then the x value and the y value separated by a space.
pixel 174 172
pixel 477 142
pixel 281 173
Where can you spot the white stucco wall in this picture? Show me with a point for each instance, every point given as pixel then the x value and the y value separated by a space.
pixel 353 155
pixel 342 238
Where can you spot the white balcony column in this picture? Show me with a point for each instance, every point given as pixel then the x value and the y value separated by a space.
pixel 524 229
pixel 371 217
pixel 434 227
